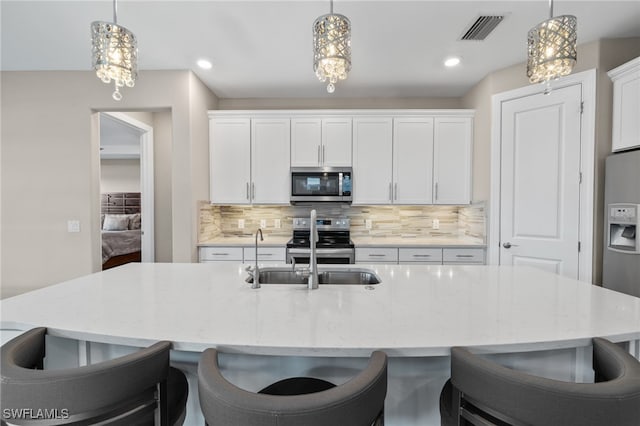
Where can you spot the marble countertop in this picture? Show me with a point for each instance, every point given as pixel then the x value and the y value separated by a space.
pixel 418 241
pixel 415 311
pixel 247 241
pixel 280 240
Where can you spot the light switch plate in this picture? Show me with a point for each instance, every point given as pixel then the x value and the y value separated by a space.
pixel 368 223
pixel 277 224
pixel 435 224
pixel 73 226
pixel 263 223
pixel 240 223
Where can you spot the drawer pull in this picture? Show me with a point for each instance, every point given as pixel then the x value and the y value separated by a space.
pixel 265 254
pixel 220 254
pixel 377 255
pixel 421 255
pixel 464 255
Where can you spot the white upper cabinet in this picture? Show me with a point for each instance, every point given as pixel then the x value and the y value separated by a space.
pixel 230 160
pixel 452 160
pixel 249 160
pixel 372 160
pixel 321 142
pixel 626 105
pixel 409 157
pixel 412 160
pixel 270 140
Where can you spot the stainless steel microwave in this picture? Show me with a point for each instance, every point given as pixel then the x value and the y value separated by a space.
pixel 321 184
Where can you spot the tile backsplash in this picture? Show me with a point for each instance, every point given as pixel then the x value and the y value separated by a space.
pixel 387 221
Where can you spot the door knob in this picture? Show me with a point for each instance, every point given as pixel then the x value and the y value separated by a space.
pixel 508 245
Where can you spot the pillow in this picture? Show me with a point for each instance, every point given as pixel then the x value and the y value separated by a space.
pixel 134 221
pixel 116 222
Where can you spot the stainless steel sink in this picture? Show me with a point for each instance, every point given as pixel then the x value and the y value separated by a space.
pixel 355 276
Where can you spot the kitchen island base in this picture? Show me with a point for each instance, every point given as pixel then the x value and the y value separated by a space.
pixel 414 383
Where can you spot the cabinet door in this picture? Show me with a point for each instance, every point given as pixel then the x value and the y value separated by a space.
pixel 270 160
pixel 372 160
pixel 336 142
pixel 412 160
pixel 451 256
pixel 230 160
pixel 220 254
pixel 306 141
pixel 387 255
pixel 452 161
pixel 427 256
pixel 626 111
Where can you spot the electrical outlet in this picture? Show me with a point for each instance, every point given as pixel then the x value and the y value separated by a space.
pixel 240 223
pixel 277 224
pixel 435 224
pixel 263 223
pixel 368 223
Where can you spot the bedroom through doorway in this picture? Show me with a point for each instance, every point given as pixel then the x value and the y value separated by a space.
pixel 126 189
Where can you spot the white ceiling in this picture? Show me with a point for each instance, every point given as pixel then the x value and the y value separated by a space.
pixel 264 48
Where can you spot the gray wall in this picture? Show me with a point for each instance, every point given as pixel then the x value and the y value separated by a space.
pixel 602 55
pixel 50 168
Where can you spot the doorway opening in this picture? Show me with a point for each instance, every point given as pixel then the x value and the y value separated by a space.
pixel 126 190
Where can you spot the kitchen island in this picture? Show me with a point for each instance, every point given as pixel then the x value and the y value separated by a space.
pixel 416 314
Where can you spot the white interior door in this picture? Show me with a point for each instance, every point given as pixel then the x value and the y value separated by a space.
pixel 540 181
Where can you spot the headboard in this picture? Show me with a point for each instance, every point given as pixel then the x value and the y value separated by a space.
pixel 120 203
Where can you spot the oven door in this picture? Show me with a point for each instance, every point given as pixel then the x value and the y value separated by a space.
pixel 324 256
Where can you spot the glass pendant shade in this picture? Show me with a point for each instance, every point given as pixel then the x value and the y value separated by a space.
pixel 552 48
pixel 114 54
pixel 332 48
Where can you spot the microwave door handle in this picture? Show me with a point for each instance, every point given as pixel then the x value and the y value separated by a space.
pixel 340 177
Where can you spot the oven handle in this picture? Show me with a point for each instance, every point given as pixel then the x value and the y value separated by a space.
pixel 320 251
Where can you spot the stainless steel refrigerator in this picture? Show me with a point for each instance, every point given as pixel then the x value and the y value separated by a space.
pixel 621 256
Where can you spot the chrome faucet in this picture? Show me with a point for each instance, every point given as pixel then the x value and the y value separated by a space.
pixel 313 260
pixel 256 271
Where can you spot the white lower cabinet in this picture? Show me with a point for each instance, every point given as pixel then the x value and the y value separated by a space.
pixel 420 255
pixel 387 255
pixel 452 256
pixel 265 254
pixel 220 254
pixel 427 256
pixel 242 254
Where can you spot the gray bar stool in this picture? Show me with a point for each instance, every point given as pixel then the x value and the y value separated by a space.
pixel 358 402
pixel 481 392
pixel 138 388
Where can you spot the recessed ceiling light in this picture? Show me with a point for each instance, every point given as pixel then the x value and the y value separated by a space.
pixel 452 62
pixel 204 64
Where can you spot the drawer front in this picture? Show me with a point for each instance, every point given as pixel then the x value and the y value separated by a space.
pixel 422 255
pixel 376 254
pixel 265 254
pixel 208 254
pixel 463 255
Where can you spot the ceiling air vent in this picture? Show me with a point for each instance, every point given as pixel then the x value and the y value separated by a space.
pixel 481 28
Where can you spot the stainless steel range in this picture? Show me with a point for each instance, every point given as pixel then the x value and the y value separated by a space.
pixel 334 242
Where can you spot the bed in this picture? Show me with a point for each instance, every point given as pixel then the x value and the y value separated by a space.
pixel 121 233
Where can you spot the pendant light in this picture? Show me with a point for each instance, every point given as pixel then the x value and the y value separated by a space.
pixel 552 48
pixel 114 53
pixel 332 48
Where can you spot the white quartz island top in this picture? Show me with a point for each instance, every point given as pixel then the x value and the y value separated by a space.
pixel 415 311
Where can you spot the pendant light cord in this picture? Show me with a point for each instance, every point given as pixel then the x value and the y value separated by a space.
pixel 550 9
pixel 331 7
pixel 115 11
